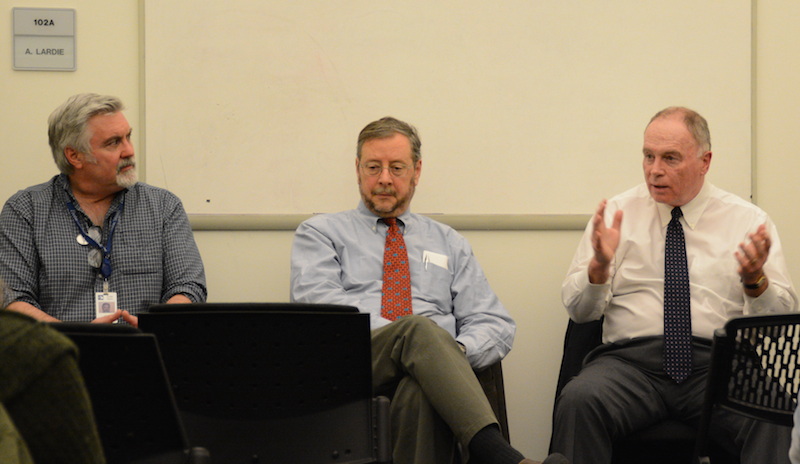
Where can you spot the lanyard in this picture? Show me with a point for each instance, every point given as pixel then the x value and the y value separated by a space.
pixel 105 266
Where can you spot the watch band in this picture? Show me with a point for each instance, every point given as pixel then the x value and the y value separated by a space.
pixel 758 283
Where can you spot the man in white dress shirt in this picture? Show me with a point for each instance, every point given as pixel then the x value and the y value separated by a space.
pixel 735 267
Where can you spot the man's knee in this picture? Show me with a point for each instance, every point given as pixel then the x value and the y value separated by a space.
pixel 579 393
pixel 416 322
pixel 424 328
pixel 583 399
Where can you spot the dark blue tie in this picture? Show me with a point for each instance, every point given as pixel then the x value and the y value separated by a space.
pixel 677 303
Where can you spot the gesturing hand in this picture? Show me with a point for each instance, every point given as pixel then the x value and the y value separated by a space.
pixel 605 241
pixel 753 255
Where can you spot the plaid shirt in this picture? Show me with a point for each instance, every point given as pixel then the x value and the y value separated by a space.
pixel 154 255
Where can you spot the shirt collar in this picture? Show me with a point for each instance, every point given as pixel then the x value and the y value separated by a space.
pixel 691 211
pixel 404 221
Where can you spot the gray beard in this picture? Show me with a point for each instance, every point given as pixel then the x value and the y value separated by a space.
pixel 128 179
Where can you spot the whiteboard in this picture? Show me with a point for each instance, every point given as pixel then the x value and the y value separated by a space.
pixel 253 107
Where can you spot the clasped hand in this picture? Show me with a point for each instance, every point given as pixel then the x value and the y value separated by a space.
pixel 118 314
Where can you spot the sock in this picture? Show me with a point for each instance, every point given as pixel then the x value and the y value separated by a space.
pixel 488 446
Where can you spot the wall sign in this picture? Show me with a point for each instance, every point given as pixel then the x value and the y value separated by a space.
pixel 44 39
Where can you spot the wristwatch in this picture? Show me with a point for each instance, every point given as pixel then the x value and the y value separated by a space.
pixel 757 284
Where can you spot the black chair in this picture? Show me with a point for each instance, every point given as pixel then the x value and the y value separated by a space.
pixel 755 371
pixel 668 442
pixel 274 383
pixel 491 379
pixel 131 397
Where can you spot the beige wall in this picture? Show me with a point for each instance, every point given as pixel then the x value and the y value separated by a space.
pixel 777 115
pixel 107 48
pixel 525 267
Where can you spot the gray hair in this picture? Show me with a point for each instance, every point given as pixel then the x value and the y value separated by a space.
pixel 696 124
pixel 67 125
pixel 387 127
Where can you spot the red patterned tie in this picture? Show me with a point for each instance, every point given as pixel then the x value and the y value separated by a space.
pixel 396 297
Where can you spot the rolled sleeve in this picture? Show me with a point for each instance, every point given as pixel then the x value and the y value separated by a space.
pixel 183 267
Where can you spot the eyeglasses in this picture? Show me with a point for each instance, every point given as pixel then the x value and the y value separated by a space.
pixel 375 169
pixel 95 255
pixel 97 259
pixel 99 255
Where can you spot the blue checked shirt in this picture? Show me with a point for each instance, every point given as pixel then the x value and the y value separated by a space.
pixel 338 259
pixel 154 255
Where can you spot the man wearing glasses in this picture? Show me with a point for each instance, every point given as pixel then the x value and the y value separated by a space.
pixel 93 237
pixel 433 315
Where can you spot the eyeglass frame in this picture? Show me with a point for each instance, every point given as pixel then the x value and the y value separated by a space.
pixel 405 167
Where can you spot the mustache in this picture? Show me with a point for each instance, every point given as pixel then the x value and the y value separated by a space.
pixel 125 163
pixel 383 191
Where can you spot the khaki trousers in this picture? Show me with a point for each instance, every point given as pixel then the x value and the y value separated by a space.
pixel 435 394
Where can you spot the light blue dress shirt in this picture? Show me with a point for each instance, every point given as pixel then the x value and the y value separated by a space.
pixel 338 259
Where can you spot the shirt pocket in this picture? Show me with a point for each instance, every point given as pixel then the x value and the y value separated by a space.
pixel 432 281
pixel 137 252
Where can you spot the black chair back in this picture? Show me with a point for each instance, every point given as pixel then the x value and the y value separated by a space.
pixel 755 371
pixel 132 401
pixel 263 383
pixel 579 340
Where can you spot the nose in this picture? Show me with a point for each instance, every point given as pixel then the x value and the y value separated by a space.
pixel 127 148
pixel 657 167
pixel 384 177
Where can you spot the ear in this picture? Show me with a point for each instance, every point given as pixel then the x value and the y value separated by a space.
pixel 74 157
pixel 417 171
pixel 706 161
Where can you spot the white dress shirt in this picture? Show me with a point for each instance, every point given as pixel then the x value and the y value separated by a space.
pixel 715 222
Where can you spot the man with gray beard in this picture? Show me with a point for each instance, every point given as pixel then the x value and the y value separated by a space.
pixel 94 237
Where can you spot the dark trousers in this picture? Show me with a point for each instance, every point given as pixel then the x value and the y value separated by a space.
pixel 623 388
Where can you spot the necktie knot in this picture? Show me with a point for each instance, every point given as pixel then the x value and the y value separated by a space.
pixel 391 222
pixel 676 213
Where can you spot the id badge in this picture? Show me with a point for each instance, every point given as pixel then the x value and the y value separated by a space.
pixel 105 303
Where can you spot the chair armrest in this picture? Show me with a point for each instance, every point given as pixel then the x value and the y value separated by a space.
pixel 491 380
